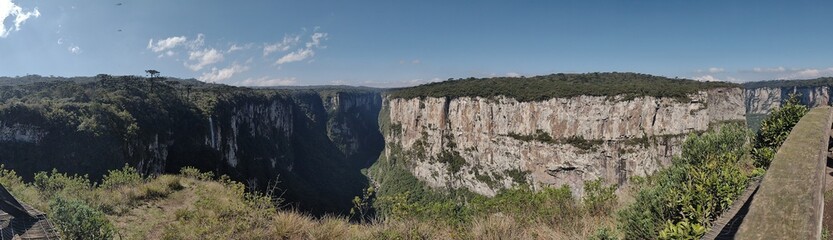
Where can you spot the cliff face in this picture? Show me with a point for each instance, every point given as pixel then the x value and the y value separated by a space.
pixel 486 145
pixel 764 100
pixel 314 143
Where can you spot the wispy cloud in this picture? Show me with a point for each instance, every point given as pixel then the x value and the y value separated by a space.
pixel 769 70
pixel 282 46
pixel 268 81
pixel 166 44
pixel 513 74
pixel 707 78
pixel 711 70
pixel 295 56
pixel 235 47
pixel 200 58
pixel 10 9
pixel 218 75
pixel 716 70
pixel 304 53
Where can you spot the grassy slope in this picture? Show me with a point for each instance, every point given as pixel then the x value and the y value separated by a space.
pixel 195 205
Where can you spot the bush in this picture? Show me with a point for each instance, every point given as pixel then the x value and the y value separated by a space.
pixel 683 199
pixel 194 173
pixel 54 183
pixel 603 233
pixel 76 220
pixel 682 230
pixel 599 199
pixel 774 130
pixel 119 177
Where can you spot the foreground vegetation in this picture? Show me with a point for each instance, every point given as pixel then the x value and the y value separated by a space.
pixel 195 205
pixel 562 85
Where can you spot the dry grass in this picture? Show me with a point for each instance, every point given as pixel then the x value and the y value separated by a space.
pixel 196 207
pixel 203 209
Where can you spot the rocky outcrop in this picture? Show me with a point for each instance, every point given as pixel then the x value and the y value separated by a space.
pixel 488 144
pixel 18 132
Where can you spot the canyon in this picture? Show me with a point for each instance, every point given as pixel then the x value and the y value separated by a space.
pixel 313 144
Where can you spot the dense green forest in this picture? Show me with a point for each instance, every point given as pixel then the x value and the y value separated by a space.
pixel 818 82
pixel 562 85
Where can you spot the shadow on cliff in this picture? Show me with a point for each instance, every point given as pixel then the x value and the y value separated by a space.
pixel 315 143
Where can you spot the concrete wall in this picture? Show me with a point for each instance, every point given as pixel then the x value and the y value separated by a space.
pixel 790 201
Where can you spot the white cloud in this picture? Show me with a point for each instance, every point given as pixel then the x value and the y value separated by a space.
pixel 416 61
pixel 196 43
pixel 513 74
pixel 808 73
pixel 303 53
pixel 707 78
pixel 218 75
pixel 284 45
pixel 769 70
pixel 295 56
pixel 805 73
pixel 716 70
pixel 202 58
pixel 267 81
pixel 316 39
pixel 166 44
pixel 7 9
pixel 60 41
pixel 235 47
pixel 74 49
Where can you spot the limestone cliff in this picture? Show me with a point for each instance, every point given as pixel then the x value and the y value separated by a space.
pixel 762 100
pixel 489 144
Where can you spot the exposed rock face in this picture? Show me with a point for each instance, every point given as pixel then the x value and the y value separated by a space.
pixel 353 125
pixel 20 133
pixel 764 100
pixel 486 145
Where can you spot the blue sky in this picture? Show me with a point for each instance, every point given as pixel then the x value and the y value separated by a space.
pixel 398 43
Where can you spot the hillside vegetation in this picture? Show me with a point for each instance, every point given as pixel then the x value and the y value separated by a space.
pixel 818 82
pixel 561 86
pixel 198 205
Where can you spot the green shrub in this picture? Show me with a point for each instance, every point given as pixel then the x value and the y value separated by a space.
pixel 682 230
pixel 774 130
pixel 603 233
pixel 701 184
pixel 599 199
pixel 51 184
pixel 76 220
pixel 120 177
pixel 195 173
